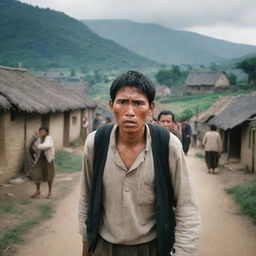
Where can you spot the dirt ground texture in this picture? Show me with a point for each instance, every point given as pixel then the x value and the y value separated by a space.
pixel 224 232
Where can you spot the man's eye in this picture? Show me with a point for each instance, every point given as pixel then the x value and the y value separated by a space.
pixel 138 103
pixel 122 102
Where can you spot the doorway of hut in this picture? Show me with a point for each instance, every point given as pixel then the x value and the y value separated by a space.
pixel 66 128
pixel 45 120
pixel 234 144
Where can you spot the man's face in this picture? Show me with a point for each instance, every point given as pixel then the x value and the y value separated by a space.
pixel 131 108
pixel 166 121
pixel 43 133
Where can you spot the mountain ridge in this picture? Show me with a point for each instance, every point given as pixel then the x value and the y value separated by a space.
pixel 40 38
pixel 166 45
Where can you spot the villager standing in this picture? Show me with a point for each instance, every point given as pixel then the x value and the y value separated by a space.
pixel 166 119
pixel 44 155
pixel 128 195
pixel 186 133
pixel 212 146
pixel 84 130
pixel 96 121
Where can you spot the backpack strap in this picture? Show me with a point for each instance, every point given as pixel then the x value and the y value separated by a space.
pixel 101 142
pixel 165 218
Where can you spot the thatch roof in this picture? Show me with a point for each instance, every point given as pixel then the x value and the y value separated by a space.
pixel 240 109
pixel 203 78
pixel 4 103
pixel 33 94
pixel 215 109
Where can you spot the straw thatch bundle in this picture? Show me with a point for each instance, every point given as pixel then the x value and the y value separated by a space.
pixel 33 94
pixel 240 109
pixel 4 103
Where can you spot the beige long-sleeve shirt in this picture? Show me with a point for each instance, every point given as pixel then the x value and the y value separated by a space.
pixel 129 198
pixel 47 146
pixel 212 141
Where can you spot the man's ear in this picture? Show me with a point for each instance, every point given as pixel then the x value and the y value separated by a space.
pixel 110 104
pixel 152 107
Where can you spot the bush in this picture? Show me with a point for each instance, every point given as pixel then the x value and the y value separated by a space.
pixel 245 195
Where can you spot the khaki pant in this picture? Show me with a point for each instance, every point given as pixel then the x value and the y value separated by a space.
pixel 105 248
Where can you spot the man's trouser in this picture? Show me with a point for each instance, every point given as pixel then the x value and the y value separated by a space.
pixel 105 248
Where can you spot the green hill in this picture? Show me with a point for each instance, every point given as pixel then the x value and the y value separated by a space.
pixel 41 38
pixel 166 45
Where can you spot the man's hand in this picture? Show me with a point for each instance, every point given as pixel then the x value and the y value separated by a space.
pixel 85 249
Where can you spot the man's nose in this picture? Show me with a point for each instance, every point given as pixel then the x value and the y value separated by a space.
pixel 130 110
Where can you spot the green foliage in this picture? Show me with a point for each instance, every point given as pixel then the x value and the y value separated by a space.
pixel 14 234
pixel 249 67
pixel 8 208
pixel 42 38
pixel 72 73
pixel 181 104
pixel 67 162
pixel 245 195
pixel 185 115
pixel 171 77
pixel 46 210
pixel 232 78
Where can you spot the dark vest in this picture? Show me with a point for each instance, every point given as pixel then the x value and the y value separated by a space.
pixel 165 218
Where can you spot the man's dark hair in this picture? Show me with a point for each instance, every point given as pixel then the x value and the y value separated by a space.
pixel 133 79
pixel 213 127
pixel 44 128
pixel 164 113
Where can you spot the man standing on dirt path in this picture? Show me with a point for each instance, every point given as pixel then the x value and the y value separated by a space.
pixel 131 203
pixel 167 119
pixel 212 146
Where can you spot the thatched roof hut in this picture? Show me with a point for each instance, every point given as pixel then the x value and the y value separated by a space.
pixel 215 109
pixel 33 94
pixel 207 79
pixel 239 110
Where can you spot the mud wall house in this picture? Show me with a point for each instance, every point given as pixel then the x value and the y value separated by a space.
pixel 26 103
pixel 202 81
pixel 237 121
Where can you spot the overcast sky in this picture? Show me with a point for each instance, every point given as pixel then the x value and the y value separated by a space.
pixel 232 20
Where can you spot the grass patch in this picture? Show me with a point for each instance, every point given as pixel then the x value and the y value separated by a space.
pixel 67 162
pixel 76 143
pixel 14 235
pixel 46 210
pixel 199 155
pixel 25 202
pixel 8 208
pixel 245 195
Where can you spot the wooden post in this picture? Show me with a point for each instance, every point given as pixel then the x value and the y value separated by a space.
pixel 228 145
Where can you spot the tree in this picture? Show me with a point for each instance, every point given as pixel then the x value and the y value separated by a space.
pixel 170 77
pixel 232 78
pixel 249 67
pixel 72 73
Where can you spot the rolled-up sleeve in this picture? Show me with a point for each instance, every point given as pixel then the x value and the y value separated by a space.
pixel 86 178
pixel 186 212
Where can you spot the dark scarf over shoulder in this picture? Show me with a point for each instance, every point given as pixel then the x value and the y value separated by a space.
pixel 165 218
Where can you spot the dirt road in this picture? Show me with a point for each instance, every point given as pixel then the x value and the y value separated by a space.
pixel 223 233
